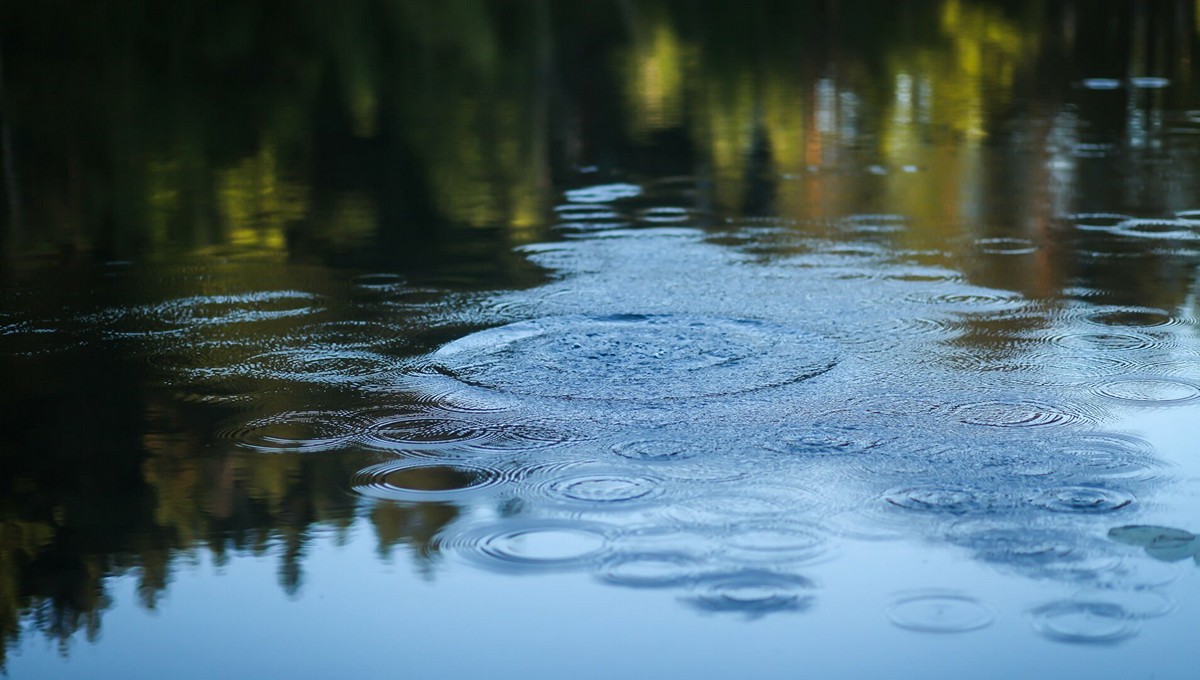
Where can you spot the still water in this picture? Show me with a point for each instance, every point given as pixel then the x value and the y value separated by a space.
pixel 831 339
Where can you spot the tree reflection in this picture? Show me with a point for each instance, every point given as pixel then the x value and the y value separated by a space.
pixel 309 130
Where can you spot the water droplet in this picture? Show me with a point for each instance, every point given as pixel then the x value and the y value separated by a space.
pixel 635 357
pixel 1083 499
pixel 1083 622
pixel 939 611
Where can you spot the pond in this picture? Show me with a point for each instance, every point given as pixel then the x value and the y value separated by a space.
pixel 842 339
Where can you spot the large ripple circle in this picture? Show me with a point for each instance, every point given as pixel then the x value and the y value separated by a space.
pixel 635 357
pixel 937 611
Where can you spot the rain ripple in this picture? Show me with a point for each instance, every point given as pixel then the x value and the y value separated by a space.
pixel 635 357
pixel 939 611
pixel 1149 391
pixel 1112 341
pixel 752 592
pixel 434 429
pixel 1083 499
pixel 408 481
pixel 1095 623
pixel 944 499
pixel 775 542
pixel 598 490
pixel 652 569
pixel 297 431
pixel 529 545
pixel 1019 413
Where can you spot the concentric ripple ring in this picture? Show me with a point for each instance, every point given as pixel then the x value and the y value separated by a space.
pixel 635 357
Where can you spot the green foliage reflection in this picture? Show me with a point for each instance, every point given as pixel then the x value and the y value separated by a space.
pixel 294 131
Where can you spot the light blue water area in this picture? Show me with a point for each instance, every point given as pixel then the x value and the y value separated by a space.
pixel 360 617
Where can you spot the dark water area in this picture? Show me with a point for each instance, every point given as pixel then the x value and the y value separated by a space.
pixel 843 339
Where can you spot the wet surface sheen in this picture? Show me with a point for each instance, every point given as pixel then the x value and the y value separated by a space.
pixel 601 339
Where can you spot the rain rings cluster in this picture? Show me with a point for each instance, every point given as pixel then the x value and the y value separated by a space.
pixel 732 431
pixel 720 436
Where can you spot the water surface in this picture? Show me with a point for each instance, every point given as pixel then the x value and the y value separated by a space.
pixel 636 338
